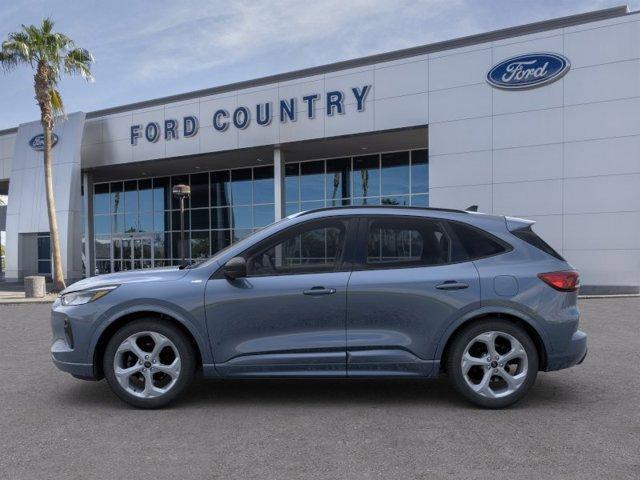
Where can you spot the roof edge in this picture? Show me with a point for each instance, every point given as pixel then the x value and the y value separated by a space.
pixel 519 30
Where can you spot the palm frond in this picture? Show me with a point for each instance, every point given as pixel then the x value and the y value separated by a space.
pixel 56 102
pixel 78 61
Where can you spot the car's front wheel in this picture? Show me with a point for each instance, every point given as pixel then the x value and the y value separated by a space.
pixel 149 363
pixel 492 363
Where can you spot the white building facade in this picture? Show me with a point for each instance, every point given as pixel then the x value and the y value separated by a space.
pixel 539 121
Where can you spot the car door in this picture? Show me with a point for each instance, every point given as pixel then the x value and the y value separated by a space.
pixel 287 317
pixel 409 282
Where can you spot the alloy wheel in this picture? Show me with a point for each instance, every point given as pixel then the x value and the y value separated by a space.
pixel 147 364
pixel 494 364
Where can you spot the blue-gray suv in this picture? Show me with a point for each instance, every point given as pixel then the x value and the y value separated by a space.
pixel 347 292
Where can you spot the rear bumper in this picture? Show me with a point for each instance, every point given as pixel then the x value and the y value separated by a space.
pixel 574 353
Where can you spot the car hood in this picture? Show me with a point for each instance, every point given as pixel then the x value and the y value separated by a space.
pixel 135 276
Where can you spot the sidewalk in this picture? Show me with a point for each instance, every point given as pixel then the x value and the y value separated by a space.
pixel 13 293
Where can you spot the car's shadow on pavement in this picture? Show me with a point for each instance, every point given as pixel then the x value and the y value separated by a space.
pixel 546 392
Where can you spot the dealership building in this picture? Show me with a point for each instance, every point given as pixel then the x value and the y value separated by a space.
pixel 540 121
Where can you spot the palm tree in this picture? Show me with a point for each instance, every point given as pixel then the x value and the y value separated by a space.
pixel 49 54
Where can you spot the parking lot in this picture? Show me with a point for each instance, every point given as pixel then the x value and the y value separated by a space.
pixel 578 423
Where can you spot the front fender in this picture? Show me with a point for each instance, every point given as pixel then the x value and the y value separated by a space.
pixel 158 307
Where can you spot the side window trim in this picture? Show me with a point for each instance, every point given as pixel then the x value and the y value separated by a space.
pixel 276 238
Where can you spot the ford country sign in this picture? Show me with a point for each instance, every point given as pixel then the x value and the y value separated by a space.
pixel 37 142
pixel 528 71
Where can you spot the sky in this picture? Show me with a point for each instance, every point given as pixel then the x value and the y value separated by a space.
pixel 147 49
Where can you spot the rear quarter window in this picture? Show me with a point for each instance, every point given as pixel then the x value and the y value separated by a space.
pixel 475 243
pixel 529 236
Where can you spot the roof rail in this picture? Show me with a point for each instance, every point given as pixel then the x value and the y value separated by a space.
pixel 432 209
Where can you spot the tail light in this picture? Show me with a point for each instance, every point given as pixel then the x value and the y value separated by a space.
pixel 565 281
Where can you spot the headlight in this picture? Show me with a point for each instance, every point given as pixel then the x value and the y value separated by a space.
pixel 85 296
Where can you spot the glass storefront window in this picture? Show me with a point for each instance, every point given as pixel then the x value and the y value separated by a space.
pixel 220 189
pixel 241 190
pixel 263 185
pixel 419 171
pixel 292 182
pixel 395 173
pixel 101 199
pixel 137 222
pixel 366 176
pixel 312 180
pixel 161 194
pixel 117 192
pixel 338 181
pixel 200 190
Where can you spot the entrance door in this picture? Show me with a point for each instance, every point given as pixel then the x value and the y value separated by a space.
pixel 132 253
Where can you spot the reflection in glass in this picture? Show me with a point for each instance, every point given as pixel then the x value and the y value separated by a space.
pixel 116 197
pixel 395 173
pixel 102 224
pixel 199 244
pixel 161 194
pixel 200 219
pixel 241 191
pixel 242 217
pixel 220 239
pixel 220 189
pixel 292 182
pixel 101 198
pixel 145 195
pixel 263 185
pixel 263 215
pixel 312 180
pixel 200 190
pixel 338 181
pixel 366 176
pixel 131 196
pixel 220 218
pixel 420 171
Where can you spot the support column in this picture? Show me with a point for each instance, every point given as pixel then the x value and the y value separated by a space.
pixel 87 204
pixel 278 179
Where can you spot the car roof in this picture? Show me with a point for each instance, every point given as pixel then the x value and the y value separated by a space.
pixel 450 213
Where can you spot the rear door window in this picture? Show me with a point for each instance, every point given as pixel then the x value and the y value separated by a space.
pixel 399 242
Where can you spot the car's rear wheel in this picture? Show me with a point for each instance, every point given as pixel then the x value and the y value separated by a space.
pixel 493 363
pixel 149 363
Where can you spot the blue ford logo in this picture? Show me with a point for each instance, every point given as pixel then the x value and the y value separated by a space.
pixel 528 71
pixel 37 142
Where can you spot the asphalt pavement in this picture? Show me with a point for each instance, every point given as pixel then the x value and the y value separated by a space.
pixel 578 423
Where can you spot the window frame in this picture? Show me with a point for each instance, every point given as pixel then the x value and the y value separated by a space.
pixel 343 263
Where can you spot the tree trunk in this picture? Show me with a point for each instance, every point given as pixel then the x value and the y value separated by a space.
pixel 43 97
pixel 56 257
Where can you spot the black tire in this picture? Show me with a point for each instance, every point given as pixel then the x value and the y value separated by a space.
pixel 185 351
pixel 460 342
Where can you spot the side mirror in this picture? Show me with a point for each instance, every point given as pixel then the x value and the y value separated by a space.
pixel 235 268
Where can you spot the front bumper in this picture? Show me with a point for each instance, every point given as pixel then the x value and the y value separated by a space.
pixel 574 353
pixel 60 351
pixel 68 347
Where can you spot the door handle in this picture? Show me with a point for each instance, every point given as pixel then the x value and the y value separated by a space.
pixel 317 291
pixel 452 285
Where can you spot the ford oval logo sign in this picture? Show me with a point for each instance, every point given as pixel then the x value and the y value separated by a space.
pixel 37 142
pixel 528 71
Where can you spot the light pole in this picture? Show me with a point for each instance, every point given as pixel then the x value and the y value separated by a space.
pixel 181 192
